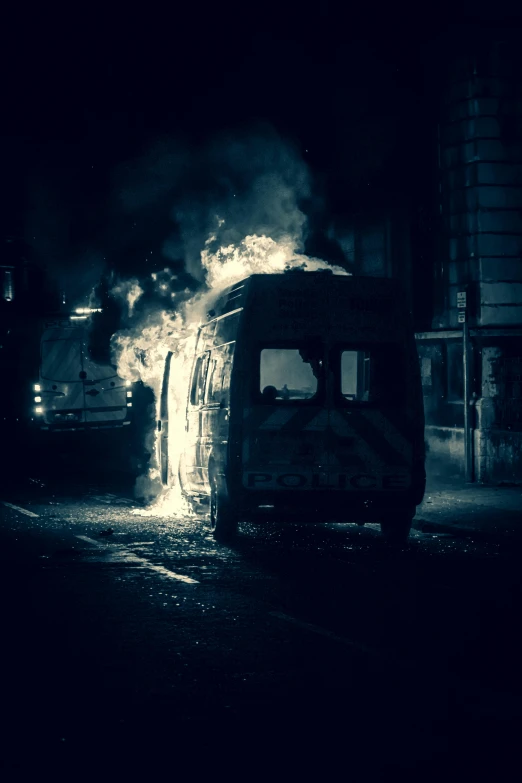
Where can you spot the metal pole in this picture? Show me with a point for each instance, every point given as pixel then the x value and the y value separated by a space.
pixel 468 441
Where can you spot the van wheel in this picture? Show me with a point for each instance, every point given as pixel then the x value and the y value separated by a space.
pixel 396 528
pixel 223 519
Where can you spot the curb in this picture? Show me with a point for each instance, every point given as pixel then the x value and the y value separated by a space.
pixel 492 537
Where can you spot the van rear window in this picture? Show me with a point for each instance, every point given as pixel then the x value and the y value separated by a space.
pixel 286 375
pixel 372 375
pixel 355 375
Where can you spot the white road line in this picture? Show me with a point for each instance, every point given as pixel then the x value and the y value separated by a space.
pixel 21 510
pixel 324 632
pixel 132 558
pixel 91 541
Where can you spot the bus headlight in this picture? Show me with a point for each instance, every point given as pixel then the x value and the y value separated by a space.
pixel 37 399
pixel 37 387
pixel 128 383
pixel 39 410
pixel 129 405
pixel 129 394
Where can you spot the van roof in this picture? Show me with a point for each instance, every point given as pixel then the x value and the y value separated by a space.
pixel 296 303
pixel 299 281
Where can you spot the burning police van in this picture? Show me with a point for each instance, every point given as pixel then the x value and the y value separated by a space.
pixel 305 401
pixel 74 391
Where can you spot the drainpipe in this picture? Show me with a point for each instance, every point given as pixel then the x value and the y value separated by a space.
pixel 463 309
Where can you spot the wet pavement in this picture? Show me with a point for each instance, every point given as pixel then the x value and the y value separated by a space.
pixel 131 637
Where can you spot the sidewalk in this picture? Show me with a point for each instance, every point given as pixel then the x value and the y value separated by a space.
pixel 480 511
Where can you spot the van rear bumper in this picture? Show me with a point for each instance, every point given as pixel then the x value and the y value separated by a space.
pixel 329 506
pixel 74 419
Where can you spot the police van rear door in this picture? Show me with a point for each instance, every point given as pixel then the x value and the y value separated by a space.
pixel 285 414
pixel 281 449
pixel 370 402
pixel 369 447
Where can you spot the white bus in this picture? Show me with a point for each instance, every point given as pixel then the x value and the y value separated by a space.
pixel 74 392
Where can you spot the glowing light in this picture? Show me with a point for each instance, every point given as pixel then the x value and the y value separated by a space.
pixel 87 310
pixel 37 387
pixel 128 383
pixel 129 394
pixel 38 410
pixel 78 317
pixel 129 405
pixel 37 399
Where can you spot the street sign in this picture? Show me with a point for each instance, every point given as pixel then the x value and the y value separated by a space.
pixel 461 318
pixel 461 299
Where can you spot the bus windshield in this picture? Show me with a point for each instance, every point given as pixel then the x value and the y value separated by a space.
pixel 61 360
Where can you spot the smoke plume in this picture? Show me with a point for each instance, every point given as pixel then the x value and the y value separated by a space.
pixel 179 195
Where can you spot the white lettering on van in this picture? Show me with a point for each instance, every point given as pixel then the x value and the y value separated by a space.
pixel 358 482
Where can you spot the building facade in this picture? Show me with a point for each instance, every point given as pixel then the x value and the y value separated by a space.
pixel 480 253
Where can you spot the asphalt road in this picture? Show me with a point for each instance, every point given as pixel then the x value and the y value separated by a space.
pixel 295 648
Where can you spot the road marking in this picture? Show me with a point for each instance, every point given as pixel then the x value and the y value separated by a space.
pixel 21 510
pixel 324 632
pixel 91 541
pixel 132 558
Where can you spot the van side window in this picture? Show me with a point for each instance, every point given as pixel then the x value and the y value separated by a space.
pixel 206 336
pixel 228 360
pixel 215 374
pixel 287 374
pixel 220 369
pixel 197 390
pixel 226 329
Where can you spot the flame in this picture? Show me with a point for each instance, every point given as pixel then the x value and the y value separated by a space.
pixel 256 255
pixel 130 291
pixel 141 350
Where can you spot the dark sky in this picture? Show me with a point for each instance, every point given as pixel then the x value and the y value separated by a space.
pixel 87 95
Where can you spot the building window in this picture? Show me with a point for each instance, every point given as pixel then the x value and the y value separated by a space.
pixel 427 381
pixel 454 373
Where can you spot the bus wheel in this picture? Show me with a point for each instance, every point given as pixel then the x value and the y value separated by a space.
pixel 223 519
pixel 396 528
